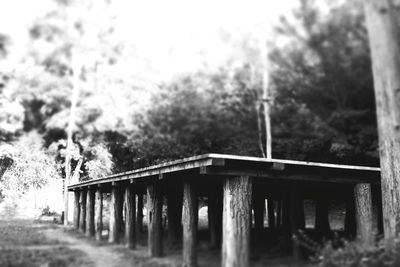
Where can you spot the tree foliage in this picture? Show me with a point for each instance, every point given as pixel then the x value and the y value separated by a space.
pixel 32 167
pixel 324 85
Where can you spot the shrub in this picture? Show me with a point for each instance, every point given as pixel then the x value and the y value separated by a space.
pixel 351 254
pixel 32 166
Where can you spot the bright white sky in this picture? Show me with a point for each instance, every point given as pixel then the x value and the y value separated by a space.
pixel 174 35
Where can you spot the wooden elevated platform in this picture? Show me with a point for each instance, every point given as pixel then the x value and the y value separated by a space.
pixel 231 165
pixel 236 188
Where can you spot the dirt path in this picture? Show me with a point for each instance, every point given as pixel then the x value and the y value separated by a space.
pixel 100 256
pixel 105 255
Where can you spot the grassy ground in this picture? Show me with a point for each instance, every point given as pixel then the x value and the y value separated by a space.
pixel 23 244
pixel 26 243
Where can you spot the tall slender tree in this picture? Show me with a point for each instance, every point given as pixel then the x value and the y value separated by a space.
pixel 383 22
pixel 71 123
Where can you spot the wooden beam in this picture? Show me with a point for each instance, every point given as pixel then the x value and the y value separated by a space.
pixel 77 209
pixel 90 212
pixel 154 216
pixel 169 167
pixel 362 193
pixel 174 212
pixel 82 202
pixel 130 217
pixel 115 215
pixel 282 175
pixel 98 213
pixel 236 221
pixel 189 222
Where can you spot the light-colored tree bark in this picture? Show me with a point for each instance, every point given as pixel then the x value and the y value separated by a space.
pixel 189 221
pixel 383 23
pixel 115 215
pixel 236 221
pixel 71 123
pixel 266 101
pixel 90 212
pixel 154 215
pixel 130 217
pixel 363 204
pixel 98 214
pixel 77 210
pixel 82 203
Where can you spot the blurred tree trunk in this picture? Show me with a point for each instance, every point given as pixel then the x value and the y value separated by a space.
pixel 71 123
pixel 266 101
pixel 383 23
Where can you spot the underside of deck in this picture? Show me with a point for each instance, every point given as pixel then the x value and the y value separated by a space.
pixel 218 165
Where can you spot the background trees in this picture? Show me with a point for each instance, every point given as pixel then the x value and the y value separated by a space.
pixel 127 117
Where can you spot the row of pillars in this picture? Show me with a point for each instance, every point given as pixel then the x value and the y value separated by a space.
pixel 182 214
pixel 88 214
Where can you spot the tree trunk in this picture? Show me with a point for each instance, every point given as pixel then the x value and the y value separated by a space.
pixel 77 210
pixel 236 223
pixel 130 217
pixel 71 122
pixel 90 213
pixel 82 202
pixel 154 216
pixel 362 193
pixel 383 23
pixel 189 222
pixel 115 215
pixel 99 214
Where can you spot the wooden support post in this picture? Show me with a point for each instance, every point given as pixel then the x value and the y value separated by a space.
pixel 297 220
pixel 130 208
pixel 236 224
pixel 90 212
pixel 174 213
pixel 286 226
pixel 259 211
pixel 271 213
pixel 215 217
pixel 139 216
pixel 363 203
pixel 115 215
pixel 82 203
pixel 77 209
pixel 322 225
pixel 189 222
pixel 350 216
pixel 154 216
pixel 379 210
pixel 98 213
pixel 279 213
